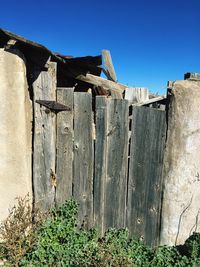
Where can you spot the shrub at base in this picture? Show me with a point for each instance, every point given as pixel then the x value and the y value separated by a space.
pixel 59 242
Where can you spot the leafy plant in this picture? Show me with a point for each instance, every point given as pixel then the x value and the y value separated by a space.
pixel 113 249
pixel 58 241
pixel 191 249
pixel 141 255
pixel 169 257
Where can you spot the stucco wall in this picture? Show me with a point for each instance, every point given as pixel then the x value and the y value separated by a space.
pixel 15 131
pixel 181 200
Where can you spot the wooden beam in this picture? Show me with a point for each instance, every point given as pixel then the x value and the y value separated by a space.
pixel 150 101
pixel 109 65
pixel 106 84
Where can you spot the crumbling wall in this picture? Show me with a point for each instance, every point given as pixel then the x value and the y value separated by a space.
pixel 181 199
pixel 15 133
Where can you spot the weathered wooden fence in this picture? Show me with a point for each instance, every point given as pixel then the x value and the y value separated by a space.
pixel 108 160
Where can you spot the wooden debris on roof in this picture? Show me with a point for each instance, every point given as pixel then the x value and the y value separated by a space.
pixel 109 68
pixel 82 71
pixel 102 86
pixel 110 86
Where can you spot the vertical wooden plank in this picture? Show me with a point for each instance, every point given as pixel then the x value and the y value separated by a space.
pixel 64 159
pixel 44 154
pixel 100 162
pixel 83 157
pixel 145 180
pixel 117 162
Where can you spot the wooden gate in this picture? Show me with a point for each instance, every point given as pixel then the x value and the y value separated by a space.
pixel 108 160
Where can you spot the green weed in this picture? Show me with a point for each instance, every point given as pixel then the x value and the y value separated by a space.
pixel 59 242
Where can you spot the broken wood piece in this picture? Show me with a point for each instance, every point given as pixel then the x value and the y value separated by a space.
pixel 150 101
pixel 10 43
pixel 111 75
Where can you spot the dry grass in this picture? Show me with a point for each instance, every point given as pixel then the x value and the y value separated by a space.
pixel 17 232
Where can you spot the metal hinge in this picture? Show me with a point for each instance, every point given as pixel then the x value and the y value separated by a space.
pixel 53 105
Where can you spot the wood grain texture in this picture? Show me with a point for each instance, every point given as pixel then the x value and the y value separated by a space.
pixel 44 150
pixel 83 157
pixel 100 162
pixel 117 161
pixel 145 179
pixel 65 134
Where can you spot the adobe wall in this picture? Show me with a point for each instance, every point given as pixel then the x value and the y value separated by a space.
pixel 181 200
pixel 15 133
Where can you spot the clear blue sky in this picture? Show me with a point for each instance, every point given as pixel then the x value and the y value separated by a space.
pixel 151 41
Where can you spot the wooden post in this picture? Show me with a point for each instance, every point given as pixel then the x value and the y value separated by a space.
pixel 83 157
pixel 145 179
pixel 65 134
pixel 44 150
